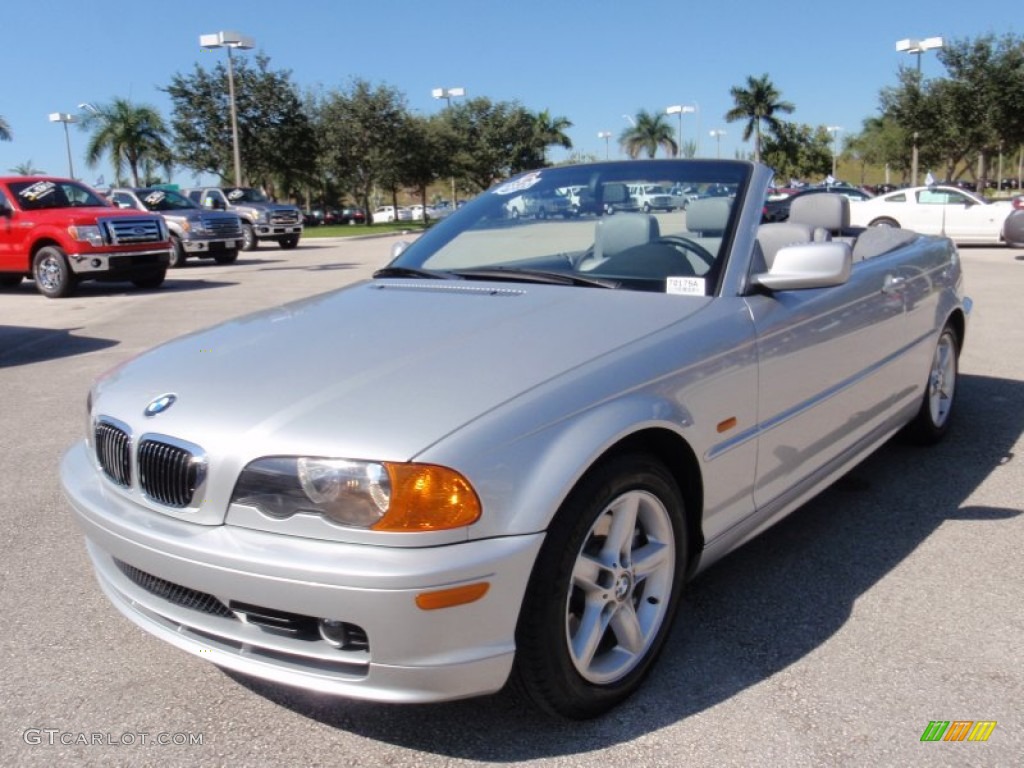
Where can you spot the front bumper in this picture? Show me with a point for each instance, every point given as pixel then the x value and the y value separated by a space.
pixel 212 245
pixel 277 230
pixel 196 579
pixel 119 262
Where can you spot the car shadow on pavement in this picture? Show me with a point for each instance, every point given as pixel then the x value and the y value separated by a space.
pixel 761 609
pixel 21 345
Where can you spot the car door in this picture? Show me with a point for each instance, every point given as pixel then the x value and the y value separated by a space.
pixel 832 372
pixel 7 234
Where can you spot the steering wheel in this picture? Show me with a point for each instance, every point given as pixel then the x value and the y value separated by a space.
pixel 686 244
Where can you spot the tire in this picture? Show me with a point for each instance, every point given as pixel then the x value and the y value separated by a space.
pixel 149 280
pixel 932 421
pixel 10 281
pixel 885 221
pixel 647 207
pixel 226 257
pixel 177 253
pixel 608 209
pixel 514 213
pixel 249 240
pixel 630 590
pixel 52 273
pixel 292 241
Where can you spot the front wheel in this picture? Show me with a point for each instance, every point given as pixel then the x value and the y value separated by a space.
pixel 933 418
pixel 249 239
pixel 289 242
pixel 52 273
pixel 604 590
pixel 177 252
pixel 885 221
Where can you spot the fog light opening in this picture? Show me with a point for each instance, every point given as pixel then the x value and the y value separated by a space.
pixel 343 635
pixel 96 263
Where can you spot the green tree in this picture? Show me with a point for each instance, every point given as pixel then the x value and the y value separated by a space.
pixel 798 151
pixel 27 169
pixel 649 132
pixel 276 138
pixel 972 112
pixel 360 133
pixel 5 130
pixel 551 131
pixel 424 150
pixel 881 142
pixel 758 104
pixel 130 134
pixel 493 140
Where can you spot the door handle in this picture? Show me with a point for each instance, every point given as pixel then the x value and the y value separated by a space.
pixel 893 284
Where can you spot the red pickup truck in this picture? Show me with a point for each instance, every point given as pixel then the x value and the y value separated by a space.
pixel 59 232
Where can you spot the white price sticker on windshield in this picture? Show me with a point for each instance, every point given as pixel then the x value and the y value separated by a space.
pixel 685 286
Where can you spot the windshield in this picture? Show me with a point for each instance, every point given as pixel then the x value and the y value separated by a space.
pixel 246 195
pixel 36 195
pixel 580 225
pixel 165 200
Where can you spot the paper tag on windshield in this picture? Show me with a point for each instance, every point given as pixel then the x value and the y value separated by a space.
pixel 685 286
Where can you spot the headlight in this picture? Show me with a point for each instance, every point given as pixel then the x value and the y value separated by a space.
pixel 86 234
pixel 382 496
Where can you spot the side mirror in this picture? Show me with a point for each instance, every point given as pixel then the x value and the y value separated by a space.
pixel 808 265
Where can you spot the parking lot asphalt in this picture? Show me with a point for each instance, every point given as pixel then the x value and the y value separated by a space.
pixel 890 601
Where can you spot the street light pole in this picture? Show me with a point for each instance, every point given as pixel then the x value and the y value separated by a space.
pixel 685 109
pixel 916 48
pixel 64 117
pixel 717 134
pixel 230 40
pixel 834 130
pixel 447 94
pixel 605 135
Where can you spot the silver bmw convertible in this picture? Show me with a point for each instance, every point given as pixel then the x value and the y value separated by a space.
pixel 498 462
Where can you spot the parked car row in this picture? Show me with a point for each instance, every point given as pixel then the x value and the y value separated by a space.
pixel 333 216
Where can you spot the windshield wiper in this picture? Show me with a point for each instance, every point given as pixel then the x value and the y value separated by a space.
pixel 536 276
pixel 429 274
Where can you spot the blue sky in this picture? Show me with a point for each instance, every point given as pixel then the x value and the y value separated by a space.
pixel 592 61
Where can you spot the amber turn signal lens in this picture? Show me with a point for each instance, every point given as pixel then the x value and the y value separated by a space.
pixel 425 497
pixel 446 598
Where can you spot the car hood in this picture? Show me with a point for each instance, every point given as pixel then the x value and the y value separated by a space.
pixel 379 370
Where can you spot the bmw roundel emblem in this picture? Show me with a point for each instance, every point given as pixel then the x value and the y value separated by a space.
pixel 160 404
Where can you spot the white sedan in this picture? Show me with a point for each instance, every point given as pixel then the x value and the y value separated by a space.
pixel 387 213
pixel 960 215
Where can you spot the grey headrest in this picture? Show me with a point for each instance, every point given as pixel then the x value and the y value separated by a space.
pixel 708 215
pixel 827 209
pixel 615 234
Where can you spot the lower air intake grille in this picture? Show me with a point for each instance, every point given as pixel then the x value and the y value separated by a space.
pixel 174 593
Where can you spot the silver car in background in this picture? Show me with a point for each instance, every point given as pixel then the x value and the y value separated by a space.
pixel 194 231
pixel 498 462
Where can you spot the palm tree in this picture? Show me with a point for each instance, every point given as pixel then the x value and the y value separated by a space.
pixel 758 102
pixel 551 130
pixel 649 132
pixel 27 169
pixel 5 130
pixel 130 134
